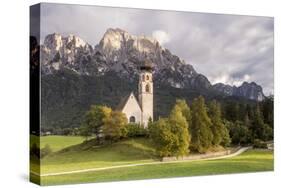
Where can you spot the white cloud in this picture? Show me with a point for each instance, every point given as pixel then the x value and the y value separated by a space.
pixel 161 36
pixel 226 79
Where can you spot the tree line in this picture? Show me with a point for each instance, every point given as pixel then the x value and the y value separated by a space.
pixel 197 128
pixel 249 123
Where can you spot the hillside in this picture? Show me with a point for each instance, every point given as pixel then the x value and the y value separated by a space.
pixel 86 155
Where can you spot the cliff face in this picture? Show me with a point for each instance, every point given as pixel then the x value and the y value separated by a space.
pixel 120 52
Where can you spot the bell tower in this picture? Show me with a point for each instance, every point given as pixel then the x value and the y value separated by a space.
pixel 146 92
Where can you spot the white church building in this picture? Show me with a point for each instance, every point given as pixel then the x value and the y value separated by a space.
pixel 140 110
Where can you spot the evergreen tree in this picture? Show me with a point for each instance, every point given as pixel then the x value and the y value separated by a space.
pixel 268 110
pixel 241 111
pixel 217 126
pixel 232 111
pixel 239 133
pixel 247 121
pixel 201 133
pixel 184 109
pixel 179 127
pixel 259 129
pixel 249 111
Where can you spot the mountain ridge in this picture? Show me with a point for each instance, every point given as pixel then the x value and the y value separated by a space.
pixel 121 52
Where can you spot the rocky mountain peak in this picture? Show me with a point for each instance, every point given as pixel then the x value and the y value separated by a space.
pixel 53 41
pixel 117 39
pixel 57 41
pixel 121 52
pixel 113 39
pixel 59 51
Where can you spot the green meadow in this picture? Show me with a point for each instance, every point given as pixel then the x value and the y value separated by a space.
pixel 72 153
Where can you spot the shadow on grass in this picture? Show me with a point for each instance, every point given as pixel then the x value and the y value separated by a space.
pixel 122 151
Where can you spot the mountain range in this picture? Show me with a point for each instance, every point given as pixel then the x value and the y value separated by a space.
pixel 76 74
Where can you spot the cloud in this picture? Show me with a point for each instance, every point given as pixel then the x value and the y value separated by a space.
pixel 222 47
pixel 161 36
pixel 227 79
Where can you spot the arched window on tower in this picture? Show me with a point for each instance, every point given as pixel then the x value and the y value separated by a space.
pixel 147 88
pixel 147 77
pixel 132 119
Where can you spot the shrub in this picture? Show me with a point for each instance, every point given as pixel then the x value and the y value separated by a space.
pixel 136 130
pixel 259 144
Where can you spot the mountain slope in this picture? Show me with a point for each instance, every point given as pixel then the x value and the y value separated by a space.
pixel 75 75
pixel 121 52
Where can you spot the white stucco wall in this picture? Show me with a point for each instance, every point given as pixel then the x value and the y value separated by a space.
pixel 147 109
pixel 132 108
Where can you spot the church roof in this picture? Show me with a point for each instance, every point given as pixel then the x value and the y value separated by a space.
pixel 124 100
pixel 146 65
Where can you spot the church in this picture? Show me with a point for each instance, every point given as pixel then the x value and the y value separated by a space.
pixel 140 110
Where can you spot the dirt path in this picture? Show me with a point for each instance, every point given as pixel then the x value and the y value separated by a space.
pixel 238 152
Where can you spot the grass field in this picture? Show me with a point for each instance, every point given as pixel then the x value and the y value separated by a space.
pixel 57 142
pixel 250 161
pixel 71 154
pixel 86 156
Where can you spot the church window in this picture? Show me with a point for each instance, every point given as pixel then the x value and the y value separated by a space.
pixel 132 119
pixel 147 89
pixel 147 77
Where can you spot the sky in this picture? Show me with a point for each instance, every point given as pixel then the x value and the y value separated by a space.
pixel 226 48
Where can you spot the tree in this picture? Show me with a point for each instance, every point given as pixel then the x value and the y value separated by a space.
pixel 217 126
pixel 247 121
pixel 114 126
pixel 201 132
pixel 179 127
pixel 226 140
pixel 94 120
pixel 249 111
pixel 232 111
pixel 170 135
pixel 260 130
pixel 184 109
pixel 258 126
pixel 239 133
pixel 242 110
pixel 267 106
pixel 162 137
pixel 85 132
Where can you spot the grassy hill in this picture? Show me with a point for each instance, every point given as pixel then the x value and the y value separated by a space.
pixel 59 142
pixel 85 155
pixel 73 153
